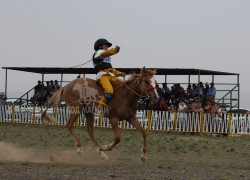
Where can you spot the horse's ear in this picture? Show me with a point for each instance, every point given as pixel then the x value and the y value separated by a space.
pixel 142 70
pixel 154 71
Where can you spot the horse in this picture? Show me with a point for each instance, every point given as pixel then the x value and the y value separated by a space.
pixel 122 106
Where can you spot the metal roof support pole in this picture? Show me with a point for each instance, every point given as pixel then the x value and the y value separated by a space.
pixel 213 78
pixel 61 79
pixel 166 79
pixel 189 79
pixel 238 83
pixel 83 75
pixel 42 77
pixel 6 77
pixel 199 76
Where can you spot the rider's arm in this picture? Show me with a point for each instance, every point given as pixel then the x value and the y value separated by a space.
pixel 110 52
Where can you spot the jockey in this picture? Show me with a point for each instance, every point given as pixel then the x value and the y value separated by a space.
pixel 106 73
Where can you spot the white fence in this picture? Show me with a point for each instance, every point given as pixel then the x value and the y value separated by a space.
pixel 224 123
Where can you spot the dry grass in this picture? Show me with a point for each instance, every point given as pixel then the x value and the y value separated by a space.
pixel 43 152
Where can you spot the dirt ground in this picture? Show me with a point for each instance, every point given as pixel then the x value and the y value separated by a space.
pixel 43 152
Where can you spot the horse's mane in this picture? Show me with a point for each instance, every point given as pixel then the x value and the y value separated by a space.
pixel 120 83
pixel 132 77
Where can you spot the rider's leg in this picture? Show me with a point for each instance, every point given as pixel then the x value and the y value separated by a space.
pixel 108 89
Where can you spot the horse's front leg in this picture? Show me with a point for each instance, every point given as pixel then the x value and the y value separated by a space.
pixel 114 123
pixel 134 121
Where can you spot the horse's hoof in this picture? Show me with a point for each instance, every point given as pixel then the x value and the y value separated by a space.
pixel 143 158
pixel 79 151
pixel 105 148
pixel 102 154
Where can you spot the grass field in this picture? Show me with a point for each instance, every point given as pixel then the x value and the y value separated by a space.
pixel 46 152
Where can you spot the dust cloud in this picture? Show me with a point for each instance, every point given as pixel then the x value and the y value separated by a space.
pixel 12 152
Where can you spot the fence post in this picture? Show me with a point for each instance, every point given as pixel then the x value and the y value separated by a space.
pixel 229 124
pixel 55 116
pixel 123 124
pixel 202 123
pixel 149 119
pixel 1 113
pixel 100 121
pixel 33 114
pixel 175 121
pixel 13 114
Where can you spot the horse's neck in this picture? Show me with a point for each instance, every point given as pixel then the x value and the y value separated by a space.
pixel 132 89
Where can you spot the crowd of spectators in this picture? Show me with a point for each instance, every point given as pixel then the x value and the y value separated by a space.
pixel 196 98
pixel 42 93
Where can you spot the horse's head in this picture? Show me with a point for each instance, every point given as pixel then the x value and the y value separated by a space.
pixel 148 83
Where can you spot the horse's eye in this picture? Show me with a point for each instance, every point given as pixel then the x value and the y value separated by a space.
pixel 147 83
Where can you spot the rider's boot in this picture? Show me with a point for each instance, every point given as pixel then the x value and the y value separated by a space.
pixel 102 108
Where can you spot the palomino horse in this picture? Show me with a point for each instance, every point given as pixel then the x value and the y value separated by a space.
pixel 82 94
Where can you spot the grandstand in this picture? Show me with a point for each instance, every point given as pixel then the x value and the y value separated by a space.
pixel 227 93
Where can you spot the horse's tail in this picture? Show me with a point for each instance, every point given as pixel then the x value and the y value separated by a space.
pixel 54 101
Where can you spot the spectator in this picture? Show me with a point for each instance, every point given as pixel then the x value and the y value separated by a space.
pixel 208 109
pixel 159 91
pixel 200 89
pixel 210 101
pixel 219 109
pixel 165 90
pixel 189 92
pixel 219 118
pixel 38 92
pixel 177 93
pixel 163 104
pixel 52 87
pixel 56 85
pixel 189 107
pixel 181 92
pixel 153 105
pixel 195 91
pixel 173 95
pixel 205 93
pixel 197 105
pixel 206 89
pixel 38 87
pixel 171 109
pixel 215 108
pixel 141 104
pixel 47 91
pixel 182 106
pixel 48 87
pixel 211 90
pixel 222 109
pixel 172 91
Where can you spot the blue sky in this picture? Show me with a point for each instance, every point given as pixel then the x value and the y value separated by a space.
pixel 211 35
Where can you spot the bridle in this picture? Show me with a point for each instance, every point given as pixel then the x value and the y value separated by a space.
pixel 146 89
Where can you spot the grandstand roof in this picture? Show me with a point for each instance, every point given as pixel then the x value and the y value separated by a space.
pixel 160 71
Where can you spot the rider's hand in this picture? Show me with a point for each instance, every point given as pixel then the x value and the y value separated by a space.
pixel 118 48
pixel 123 75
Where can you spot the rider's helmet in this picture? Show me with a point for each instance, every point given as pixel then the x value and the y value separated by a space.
pixel 100 42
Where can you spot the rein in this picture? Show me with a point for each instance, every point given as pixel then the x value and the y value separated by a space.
pixel 141 96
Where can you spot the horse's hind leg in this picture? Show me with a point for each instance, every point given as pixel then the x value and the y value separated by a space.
pixel 134 121
pixel 90 129
pixel 70 126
